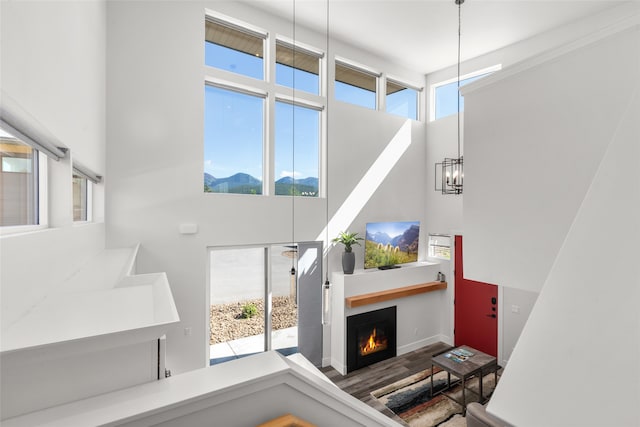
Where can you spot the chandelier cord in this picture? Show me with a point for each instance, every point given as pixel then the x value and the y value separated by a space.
pixel 326 283
pixel 293 144
pixel 458 95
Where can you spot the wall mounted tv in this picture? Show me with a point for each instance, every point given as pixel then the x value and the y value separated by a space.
pixel 388 244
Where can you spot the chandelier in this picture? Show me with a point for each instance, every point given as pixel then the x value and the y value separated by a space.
pixel 452 169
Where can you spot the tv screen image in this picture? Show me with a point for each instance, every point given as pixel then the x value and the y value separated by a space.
pixel 388 244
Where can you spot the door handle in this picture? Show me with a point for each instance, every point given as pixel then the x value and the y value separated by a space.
pixel 493 316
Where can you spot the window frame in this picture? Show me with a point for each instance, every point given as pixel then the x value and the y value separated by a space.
pixel 304 49
pixel 435 86
pixel 430 244
pixel 249 91
pixel 242 27
pixel 295 102
pixel 354 66
pixel 40 170
pixel 405 84
pixel 272 92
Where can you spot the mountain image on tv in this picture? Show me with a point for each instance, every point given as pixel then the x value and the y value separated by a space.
pixel 391 243
pixel 242 183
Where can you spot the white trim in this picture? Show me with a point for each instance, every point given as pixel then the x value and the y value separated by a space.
pixel 50 148
pixel 43 190
pixel 356 66
pixel 235 24
pixel 299 47
pixel 299 102
pixel 404 83
pixel 628 23
pixel 86 173
pixel 235 87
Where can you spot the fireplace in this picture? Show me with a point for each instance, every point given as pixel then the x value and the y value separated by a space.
pixel 371 337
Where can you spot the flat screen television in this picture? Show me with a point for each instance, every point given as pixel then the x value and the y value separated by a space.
pixel 388 244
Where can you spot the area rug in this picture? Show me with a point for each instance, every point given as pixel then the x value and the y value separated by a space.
pixel 410 398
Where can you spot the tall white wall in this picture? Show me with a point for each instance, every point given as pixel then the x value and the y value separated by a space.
pixel 155 162
pixel 53 77
pixel 582 303
pixel 563 129
pixel 534 143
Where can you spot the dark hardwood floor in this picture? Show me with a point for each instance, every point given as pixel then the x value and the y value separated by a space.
pixel 362 382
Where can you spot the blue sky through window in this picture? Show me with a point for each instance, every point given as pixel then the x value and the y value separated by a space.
pixel 233 60
pixel 355 95
pixel 233 133
pixel 304 80
pixel 446 97
pixel 306 139
pixel 403 103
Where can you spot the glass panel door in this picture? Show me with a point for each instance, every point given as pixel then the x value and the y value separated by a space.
pixel 237 287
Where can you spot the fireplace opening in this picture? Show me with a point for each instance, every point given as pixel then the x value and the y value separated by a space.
pixel 371 337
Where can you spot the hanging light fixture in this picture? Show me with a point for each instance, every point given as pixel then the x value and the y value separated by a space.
pixel 452 170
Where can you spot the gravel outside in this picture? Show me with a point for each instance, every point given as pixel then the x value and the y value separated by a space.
pixel 227 323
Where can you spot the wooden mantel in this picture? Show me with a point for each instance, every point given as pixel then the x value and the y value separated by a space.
pixel 406 291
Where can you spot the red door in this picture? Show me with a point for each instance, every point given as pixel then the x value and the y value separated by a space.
pixel 476 310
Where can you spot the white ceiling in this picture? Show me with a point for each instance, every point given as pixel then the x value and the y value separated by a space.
pixel 423 34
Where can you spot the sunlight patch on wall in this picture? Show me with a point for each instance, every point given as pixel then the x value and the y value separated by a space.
pixel 369 183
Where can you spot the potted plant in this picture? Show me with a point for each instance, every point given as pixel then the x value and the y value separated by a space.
pixel 348 257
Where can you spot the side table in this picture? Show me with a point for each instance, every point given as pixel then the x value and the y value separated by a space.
pixel 472 363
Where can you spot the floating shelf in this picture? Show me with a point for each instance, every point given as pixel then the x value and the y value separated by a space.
pixel 374 297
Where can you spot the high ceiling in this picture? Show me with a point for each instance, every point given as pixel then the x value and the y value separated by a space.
pixel 422 34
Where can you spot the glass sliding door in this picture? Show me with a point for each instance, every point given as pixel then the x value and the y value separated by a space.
pixel 253 301
pixel 238 307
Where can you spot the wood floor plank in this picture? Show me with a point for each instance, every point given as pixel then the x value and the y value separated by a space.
pixel 362 382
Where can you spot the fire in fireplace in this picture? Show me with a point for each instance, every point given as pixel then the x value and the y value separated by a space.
pixel 373 343
pixel 371 337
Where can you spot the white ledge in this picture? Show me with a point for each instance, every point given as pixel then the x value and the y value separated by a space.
pixel 102 302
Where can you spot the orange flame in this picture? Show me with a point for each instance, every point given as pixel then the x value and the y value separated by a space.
pixel 373 344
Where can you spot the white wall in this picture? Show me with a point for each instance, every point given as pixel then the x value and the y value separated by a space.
pixel 155 160
pixel 53 75
pixel 582 303
pixel 516 309
pixel 531 156
pixel 570 122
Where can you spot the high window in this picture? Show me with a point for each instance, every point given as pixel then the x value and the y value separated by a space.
pixel 234 48
pixel 19 183
pixel 233 135
pixel 81 197
pixel 262 136
pixel 401 99
pixel 297 166
pixel 297 68
pixel 445 95
pixel 356 85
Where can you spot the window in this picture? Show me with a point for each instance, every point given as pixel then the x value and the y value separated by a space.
pixel 440 246
pixel 299 66
pixel 355 85
pixel 19 182
pixel 402 100
pixel 261 137
pixel 445 95
pixel 80 197
pixel 233 141
pixel 234 48
pixel 297 167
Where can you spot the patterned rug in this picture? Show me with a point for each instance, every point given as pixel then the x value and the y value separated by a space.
pixel 410 398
